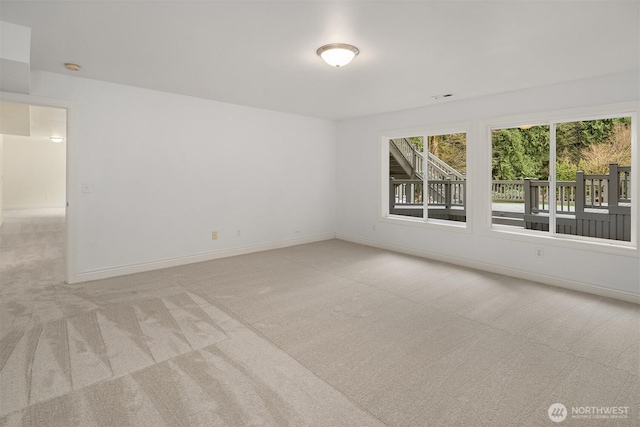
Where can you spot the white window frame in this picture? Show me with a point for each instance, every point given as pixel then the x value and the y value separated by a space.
pixel 425 221
pixel 551 237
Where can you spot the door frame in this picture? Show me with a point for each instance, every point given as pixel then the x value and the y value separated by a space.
pixel 71 173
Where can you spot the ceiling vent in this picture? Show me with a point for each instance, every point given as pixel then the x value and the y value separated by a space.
pixel 447 95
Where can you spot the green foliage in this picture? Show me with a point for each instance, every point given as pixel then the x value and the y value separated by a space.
pixel 450 148
pixel 520 153
pixel 565 171
pixel 573 138
pixel 596 158
pixel 586 145
pixel 417 142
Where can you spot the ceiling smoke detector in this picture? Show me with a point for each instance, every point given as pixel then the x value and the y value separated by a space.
pixel 72 67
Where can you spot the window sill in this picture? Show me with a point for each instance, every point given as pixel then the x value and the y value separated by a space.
pixel 614 247
pixel 430 224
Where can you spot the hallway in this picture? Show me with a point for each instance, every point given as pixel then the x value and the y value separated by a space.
pixel 32 265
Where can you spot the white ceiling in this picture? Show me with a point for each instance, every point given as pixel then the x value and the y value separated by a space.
pixel 262 53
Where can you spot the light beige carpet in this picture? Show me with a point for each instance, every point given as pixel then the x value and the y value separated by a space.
pixel 325 334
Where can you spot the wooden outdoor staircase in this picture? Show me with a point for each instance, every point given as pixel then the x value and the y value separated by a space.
pixel 445 186
pixel 406 162
pixel 397 170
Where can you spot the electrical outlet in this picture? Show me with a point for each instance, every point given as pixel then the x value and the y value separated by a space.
pixel 214 235
pixel 85 188
pixel 238 234
pixel 539 253
pixel 373 227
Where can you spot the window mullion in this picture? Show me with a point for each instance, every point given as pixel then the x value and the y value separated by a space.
pixel 425 178
pixel 552 179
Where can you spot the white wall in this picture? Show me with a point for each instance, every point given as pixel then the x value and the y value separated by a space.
pixel 358 187
pixel 15 42
pixel 165 170
pixel 1 178
pixel 15 54
pixel 34 173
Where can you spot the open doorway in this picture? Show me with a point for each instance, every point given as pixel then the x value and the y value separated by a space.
pixel 33 197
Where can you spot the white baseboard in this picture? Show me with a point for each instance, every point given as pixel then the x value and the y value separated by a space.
pixel 31 207
pixel 174 262
pixel 547 280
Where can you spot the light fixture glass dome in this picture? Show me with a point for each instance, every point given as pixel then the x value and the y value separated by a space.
pixel 337 54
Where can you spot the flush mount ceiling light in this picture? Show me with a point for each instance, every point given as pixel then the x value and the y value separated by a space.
pixel 56 139
pixel 337 54
pixel 71 67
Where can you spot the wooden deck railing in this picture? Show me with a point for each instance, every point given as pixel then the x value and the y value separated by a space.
pixel 588 191
pixel 624 186
pixel 405 192
pixel 592 205
pixel 409 192
pixel 594 191
pixel 507 191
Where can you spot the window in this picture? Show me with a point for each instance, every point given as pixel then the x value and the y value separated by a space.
pixel 570 177
pixel 431 168
pixel 520 156
pixel 406 176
